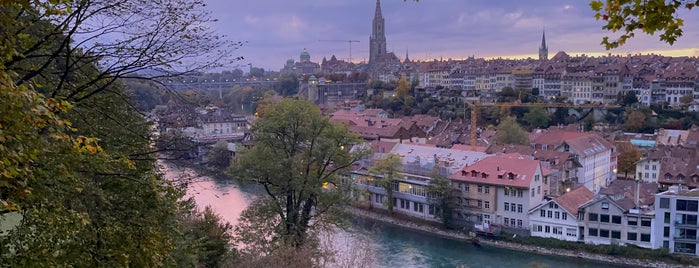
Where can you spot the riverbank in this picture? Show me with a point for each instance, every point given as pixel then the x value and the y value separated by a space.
pixel 461 236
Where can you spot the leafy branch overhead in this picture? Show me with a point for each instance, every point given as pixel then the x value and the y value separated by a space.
pixel 650 17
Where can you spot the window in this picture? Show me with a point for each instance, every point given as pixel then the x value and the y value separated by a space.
pixel 487 190
pixel 532 190
pixel 507 191
pixel 645 222
pixel 603 233
pixel 631 236
pixel 480 203
pixel 550 214
pixel 592 232
pixel 633 221
pixel 604 218
pixel 466 187
pixel 558 215
pixel 543 213
pixel 480 188
pixel 687 205
pixel 507 206
pixel 645 237
pixel 664 203
pixel 431 210
pixel 547 229
pixel 666 231
pixel 487 204
pixel 520 193
pixel 538 189
pixel 512 222
pixel 564 216
pixel 571 232
pixel 616 234
pixel 605 205
pixel 519 208
pixel 616 219
pixel 593 216
pixel 519 223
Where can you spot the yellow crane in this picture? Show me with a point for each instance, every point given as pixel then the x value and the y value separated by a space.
pixel 349 42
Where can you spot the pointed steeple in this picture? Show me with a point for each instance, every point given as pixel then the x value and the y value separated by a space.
pixel 543 40
pixel 406 57
pixel 543 49
pixel 377 12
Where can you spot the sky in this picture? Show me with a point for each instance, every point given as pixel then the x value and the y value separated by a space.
pixel 277 30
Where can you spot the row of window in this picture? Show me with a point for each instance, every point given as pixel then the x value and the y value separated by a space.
pixel 405 204
pixel 513 222
pixel 553 214
pixel 554 230
pixel 514 207
pixel 630 236
pixel 606 218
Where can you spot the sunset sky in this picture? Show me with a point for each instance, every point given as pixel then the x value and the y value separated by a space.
pixel 276 30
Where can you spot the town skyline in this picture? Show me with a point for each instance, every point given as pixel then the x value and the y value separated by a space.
pixel 275 31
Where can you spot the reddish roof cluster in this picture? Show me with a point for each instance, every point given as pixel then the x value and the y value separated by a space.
pixel 507 170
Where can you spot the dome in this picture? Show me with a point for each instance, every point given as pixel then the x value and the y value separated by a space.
pixel 312 78
pixel 290 61
pixel 305 56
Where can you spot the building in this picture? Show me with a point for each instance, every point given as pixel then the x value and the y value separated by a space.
pixel 377 40
pixel 500 190
pixel 558 217
pixel 594 154
pixel 675 225
pixel 410 189
pixel 619 214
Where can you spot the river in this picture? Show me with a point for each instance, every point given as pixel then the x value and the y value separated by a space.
pixel 391 246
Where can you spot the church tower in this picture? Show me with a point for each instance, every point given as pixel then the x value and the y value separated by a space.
pixel 543 49
pixel 377 40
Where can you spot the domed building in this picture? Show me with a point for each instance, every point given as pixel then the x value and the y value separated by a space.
pixel 304 66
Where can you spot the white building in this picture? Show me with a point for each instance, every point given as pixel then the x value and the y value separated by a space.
pixel 594 153
pixel 558 218
pixel 675 225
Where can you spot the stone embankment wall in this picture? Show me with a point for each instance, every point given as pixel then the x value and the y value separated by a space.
pixel 458 235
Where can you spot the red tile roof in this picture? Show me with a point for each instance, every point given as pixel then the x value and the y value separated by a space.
pixel 498 168
pixel 572 200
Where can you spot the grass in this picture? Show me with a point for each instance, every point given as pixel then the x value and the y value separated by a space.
pixel 629 251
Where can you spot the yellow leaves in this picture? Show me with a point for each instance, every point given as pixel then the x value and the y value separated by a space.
pixel 8 207
pixel 86 145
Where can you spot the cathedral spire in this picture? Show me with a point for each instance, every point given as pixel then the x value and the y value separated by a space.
pixel 377 40
pixel 543 49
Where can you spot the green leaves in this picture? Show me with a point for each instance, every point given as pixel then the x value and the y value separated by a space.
pixel 628 16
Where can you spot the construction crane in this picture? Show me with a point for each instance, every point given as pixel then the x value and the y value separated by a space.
pixel 349 42
pixel 475 106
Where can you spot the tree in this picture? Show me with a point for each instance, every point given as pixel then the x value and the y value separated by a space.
pixel 402 88
pixel 133 39
pixel 686 100
pixel 628 157
pixel 288 85
pixel 537 117
pixel 630 98
pixel 76 160
pixel 441 197
pixel 506 94
pixel 386 172
pixel 297 153
pixel 628 16
pixel 635 121
pixel 220 156
pixel 509 132
pixel 257 72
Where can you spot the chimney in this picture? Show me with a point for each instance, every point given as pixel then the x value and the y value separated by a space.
pixel 636 198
